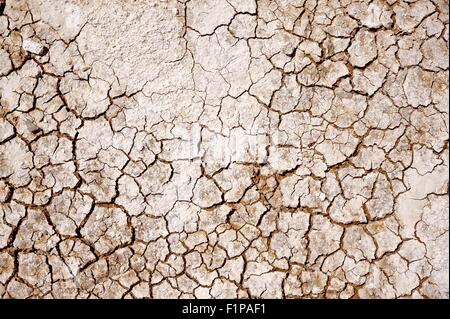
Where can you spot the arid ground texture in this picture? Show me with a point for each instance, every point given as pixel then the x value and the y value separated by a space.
pixel 224 149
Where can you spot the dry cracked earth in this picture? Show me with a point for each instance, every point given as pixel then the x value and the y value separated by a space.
pixel 224 149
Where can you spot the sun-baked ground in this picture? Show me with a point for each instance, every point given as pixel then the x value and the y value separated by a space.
pixel 224 148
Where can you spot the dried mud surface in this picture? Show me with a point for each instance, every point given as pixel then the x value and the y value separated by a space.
pixel 224 149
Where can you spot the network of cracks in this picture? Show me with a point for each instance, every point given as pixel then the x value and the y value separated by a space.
pixel 224 149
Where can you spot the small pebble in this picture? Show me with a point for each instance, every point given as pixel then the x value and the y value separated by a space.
pixel 33 47
pixel 33 128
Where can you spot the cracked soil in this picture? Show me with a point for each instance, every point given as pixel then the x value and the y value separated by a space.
pixel 224 149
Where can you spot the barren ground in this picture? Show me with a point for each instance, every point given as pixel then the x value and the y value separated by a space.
pixel 224 149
